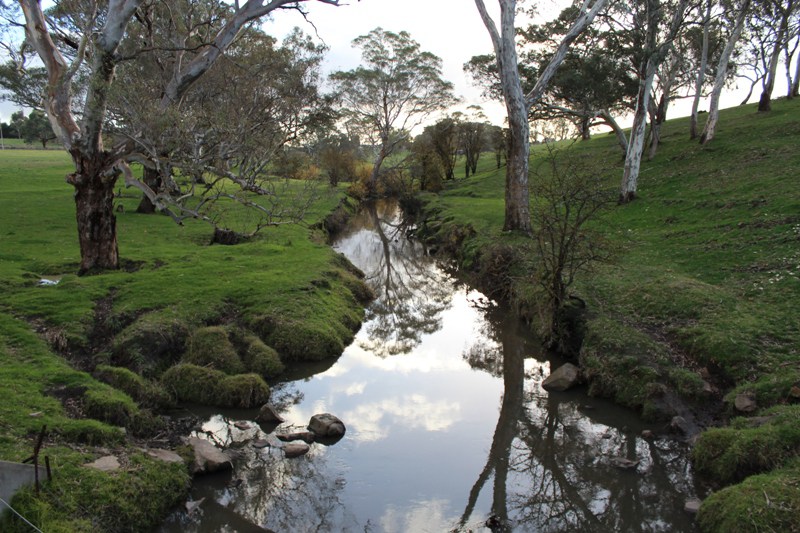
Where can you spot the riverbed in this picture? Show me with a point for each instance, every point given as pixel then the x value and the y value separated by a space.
pixel 448 428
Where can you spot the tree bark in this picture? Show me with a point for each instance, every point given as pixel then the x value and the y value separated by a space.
pixel 633 156
pixel 612 123
pixel 701 72
pixel 765 102
pixel 722 71
pixel 796 82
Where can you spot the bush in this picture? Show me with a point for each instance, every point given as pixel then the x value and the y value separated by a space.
pixel 211 347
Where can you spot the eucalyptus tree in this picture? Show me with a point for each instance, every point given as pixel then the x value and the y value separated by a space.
pixel 656 24
pixel 102 42
pixel 738 15
pixel 518 103
pixel 397 87
pixel 778 19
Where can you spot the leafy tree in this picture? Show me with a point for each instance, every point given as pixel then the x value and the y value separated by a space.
pixel 37 128
pixel 397 87
pixel 102 43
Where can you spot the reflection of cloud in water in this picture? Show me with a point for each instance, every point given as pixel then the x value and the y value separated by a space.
pixel 426 516
pixel 414 412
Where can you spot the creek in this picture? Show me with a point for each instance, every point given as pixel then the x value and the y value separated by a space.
pixel 448 428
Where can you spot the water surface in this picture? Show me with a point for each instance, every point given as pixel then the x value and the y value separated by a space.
pixel 448 428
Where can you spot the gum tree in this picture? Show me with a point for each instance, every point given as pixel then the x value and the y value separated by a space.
pixel 79 125
pixel 518 103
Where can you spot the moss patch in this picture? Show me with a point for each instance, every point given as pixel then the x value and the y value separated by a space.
pixel 211 347
pixel 196 384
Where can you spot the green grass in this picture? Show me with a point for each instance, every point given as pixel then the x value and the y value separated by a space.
pixel 126 328
pixel 706 277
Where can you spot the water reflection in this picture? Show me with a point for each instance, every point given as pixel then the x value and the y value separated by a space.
pixel 410 294
pixel 448 427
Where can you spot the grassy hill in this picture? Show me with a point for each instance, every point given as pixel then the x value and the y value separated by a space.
pixel 698 306
pixel 85 356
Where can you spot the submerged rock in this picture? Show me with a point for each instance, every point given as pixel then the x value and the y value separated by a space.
pixel 692 506
pixel 207 457
pixel 564 377
pixel 623 463
pixel 306 436
pixel 326 425
pixel 295 449
pixel 269 415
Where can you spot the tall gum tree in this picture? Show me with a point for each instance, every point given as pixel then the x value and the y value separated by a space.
pixel 97 168
pixel 518 103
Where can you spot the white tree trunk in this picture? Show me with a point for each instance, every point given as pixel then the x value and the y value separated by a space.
pixel 765 102
pixel 701 72
pixel 722 71
pixel 633 158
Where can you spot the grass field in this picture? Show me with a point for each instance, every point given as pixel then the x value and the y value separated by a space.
pixel 704 286
pixel 286 288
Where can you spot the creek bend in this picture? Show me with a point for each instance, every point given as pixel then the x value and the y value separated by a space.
pixel 448 428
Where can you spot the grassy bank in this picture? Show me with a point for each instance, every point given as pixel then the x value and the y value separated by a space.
pixel 697 306
pixel 88 356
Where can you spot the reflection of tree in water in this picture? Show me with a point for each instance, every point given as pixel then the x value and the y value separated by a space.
pixel 549 462
pixel 411 291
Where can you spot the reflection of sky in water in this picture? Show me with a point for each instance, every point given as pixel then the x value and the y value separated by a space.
pixel 424 447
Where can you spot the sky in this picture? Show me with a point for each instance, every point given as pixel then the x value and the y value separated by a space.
pixel 451 29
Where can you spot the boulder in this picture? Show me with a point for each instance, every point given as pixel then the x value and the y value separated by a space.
pixel 326 425
pixel 306 436
pixel 623 463
pixel 109 463
pixel 562 378
pixel 207 457
pixel 168 456
pixel 295 449
pixel 268 415
pixel 260 443
pixel 692 506
pixel 745 402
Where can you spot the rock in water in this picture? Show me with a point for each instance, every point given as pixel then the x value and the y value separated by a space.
pixel 207 457
pixel 326 425
pixel 623 463
pixel 562 378
pixel 692 506
pixel 306 436
pixel 268 415
pixel 296 449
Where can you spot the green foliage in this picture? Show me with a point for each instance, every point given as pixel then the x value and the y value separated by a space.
pixel 151 343
pixel 146 393
pixel 211 347
pixel 261 359
pixel 767 503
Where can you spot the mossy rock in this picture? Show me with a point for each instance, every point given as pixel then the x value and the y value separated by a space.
pixel 146 393
pixel 192 383
pixel 730 454
pixel 211 347
pixel 762 503
pixel 261 359
pixel 244 390
pixel 109 406
pixel 151 344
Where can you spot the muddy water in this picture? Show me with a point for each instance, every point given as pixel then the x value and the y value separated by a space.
pixel 448 428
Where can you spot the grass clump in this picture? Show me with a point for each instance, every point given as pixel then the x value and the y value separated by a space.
pixel 766 503
pixel 211 347
pixel 145 392
pixel 749 446
pixel 203 385
pixel 151 343
pixel 261 359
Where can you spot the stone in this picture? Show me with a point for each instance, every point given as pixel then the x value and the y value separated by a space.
pixel 794 392
pixel 243 426
pixel 207 457
pixel 260 443
pixel 269 415
pixel 623 463
pixel 680 425
pixel 745 402
pixel 168 456
pixel 326 425
pixel 108 463
pixel 708 388
pixel 647 434
pixel 562 378
pixel 295 449
pixel 192 506
pixel 692 506
pixel 306 436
